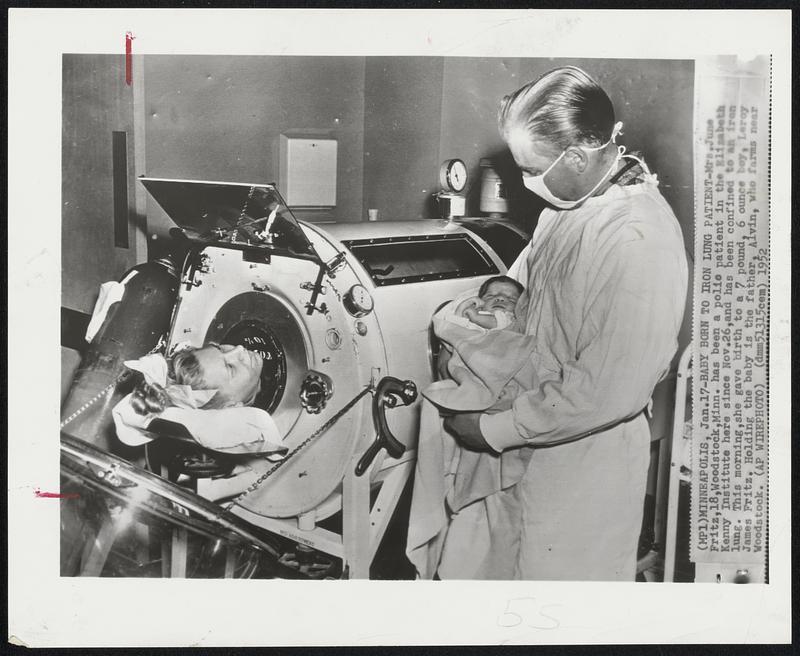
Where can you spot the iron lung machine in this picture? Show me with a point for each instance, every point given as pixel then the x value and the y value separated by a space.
pixel 337 311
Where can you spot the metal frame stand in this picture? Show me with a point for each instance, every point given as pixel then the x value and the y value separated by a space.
pixel 363 527
pixel 675 444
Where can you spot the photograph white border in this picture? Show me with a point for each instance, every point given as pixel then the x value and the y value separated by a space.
pixel 46 610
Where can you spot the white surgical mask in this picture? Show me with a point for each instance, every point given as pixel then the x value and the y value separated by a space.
pixel 537 185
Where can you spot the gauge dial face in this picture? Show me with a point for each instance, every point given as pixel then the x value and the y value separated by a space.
pixel 453 175
pixel 358 301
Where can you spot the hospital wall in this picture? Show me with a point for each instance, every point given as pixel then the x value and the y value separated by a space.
pixel 402 132
pixel 395 120
pixel 96 104
pixel 220 118
pixel 653 98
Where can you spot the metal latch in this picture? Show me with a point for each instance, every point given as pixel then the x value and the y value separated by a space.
pixel 336 263
pixel 112 476
pixel 389 392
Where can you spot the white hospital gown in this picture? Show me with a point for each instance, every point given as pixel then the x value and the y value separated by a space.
pixel 605 293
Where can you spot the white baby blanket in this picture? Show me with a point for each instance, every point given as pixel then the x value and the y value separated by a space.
pixel 488 370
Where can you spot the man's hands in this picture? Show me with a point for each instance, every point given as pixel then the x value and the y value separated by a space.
pixel 466 427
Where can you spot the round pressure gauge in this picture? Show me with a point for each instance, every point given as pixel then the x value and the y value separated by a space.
pixel 357 301
pixel 453 175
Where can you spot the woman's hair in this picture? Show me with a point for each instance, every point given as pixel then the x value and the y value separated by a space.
pixel 185 369
pixel 485 286
pixel 564 107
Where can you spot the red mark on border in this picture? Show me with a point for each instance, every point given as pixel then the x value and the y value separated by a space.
pixel 54 495
pixel 129 57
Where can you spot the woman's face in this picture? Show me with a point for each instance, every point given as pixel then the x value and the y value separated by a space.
pixel 232 370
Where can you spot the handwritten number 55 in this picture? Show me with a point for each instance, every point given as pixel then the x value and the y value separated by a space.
pixel 535 618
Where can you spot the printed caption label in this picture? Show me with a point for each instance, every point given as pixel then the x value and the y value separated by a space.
pixel 731 312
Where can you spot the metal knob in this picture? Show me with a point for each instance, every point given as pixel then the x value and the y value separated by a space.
pixel 315 391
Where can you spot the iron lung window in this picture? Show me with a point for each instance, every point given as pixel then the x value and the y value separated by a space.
pixel 404 260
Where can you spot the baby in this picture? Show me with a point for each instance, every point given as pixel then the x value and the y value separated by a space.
pixel 491 311
pixel 494 306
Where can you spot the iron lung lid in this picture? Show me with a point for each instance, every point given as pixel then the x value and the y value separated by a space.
pixel 239 214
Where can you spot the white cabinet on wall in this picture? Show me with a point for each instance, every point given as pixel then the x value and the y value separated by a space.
pixel 307 171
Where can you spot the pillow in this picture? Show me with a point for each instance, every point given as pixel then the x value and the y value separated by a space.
pixel 228 430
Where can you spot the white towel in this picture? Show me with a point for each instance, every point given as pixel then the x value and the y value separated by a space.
pixel 110 293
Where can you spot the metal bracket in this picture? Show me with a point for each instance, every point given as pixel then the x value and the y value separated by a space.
pixel 322 308
pixel 112 476
pixel 309 287
pixel 335 264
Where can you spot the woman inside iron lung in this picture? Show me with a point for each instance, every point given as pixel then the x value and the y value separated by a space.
pixel 233 371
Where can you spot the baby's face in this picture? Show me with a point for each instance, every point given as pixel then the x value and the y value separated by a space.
pixel 500 296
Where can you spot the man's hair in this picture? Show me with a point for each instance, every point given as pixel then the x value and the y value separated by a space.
pixel 564 107
pixel 485 286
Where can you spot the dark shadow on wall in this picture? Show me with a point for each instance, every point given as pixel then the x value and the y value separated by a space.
pixel 524 206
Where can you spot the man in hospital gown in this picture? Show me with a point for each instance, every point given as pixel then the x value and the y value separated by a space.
pixel 605 277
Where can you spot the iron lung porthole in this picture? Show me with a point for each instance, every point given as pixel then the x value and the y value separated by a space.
pixel 262 323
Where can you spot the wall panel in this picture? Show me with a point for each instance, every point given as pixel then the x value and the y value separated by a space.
pixel 95 103
pixel 402 119
pixel 219 118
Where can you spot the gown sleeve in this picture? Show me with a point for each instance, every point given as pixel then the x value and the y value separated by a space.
pixel 627 337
